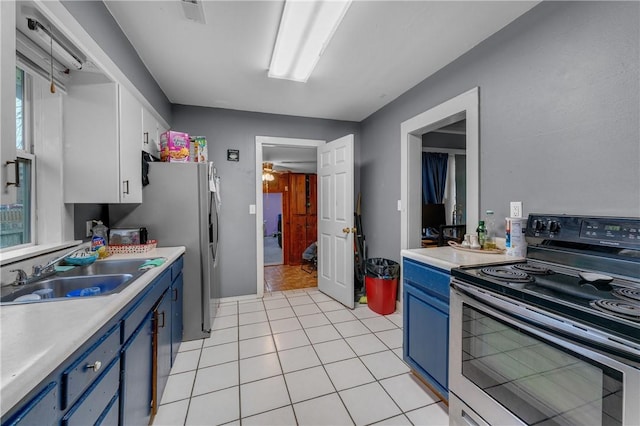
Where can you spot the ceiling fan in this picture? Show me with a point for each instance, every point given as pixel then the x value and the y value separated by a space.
pixel 268 172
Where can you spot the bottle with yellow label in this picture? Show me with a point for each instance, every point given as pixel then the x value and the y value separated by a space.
pixel 99 238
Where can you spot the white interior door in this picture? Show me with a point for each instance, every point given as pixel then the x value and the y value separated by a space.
pixel 335 220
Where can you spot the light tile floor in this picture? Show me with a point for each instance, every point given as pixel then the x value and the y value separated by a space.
pixel 297 357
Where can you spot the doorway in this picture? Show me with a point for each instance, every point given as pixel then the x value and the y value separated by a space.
pixel 444 184
pixel 289 160
pixel 464 106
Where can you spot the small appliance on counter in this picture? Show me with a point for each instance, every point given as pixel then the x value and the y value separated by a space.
pixel 128 236
pixel 554 339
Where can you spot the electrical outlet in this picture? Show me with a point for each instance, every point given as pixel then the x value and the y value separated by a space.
pixel 88 225
pixel 515 209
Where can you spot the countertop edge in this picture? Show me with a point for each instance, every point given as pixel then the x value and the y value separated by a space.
pixel 25 365
pixel 448 258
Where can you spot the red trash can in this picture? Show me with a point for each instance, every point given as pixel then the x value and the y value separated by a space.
pixel 381 294
pixel 381 283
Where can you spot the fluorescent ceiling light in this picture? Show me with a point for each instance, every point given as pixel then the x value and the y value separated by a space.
pixel 61 52
pixel 305 30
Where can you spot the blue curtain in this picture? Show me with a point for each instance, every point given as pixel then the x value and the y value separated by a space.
pixel 434 177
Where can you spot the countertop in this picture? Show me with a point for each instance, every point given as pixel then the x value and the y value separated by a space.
pixel 447 257
pixel 36 338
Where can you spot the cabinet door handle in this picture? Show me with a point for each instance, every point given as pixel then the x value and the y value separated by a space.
pixel 125 183
pixel 163 319
pixel 146 137
pixel 175 295
pixel 95 366
pixel 16 164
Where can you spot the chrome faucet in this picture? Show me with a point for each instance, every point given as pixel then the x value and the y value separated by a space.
pixel 40 271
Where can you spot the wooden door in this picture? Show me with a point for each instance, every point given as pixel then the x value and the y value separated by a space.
pixel 313 195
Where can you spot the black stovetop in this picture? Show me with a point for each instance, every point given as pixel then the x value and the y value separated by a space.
pixel 561 290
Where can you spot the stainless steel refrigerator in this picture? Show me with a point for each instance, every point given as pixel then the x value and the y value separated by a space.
pixel 180 207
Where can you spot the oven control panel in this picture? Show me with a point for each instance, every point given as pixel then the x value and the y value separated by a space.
pixel 603 231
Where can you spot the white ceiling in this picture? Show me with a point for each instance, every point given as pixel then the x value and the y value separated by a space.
pixel 295 159
pixel 381 50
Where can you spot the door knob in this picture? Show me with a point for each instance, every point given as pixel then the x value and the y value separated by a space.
pixel 347 230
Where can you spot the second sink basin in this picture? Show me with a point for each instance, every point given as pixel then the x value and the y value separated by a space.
pixel 102 267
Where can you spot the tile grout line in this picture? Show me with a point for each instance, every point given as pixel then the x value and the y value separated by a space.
pixel 322 364
pixel 238 349
pixel 282 370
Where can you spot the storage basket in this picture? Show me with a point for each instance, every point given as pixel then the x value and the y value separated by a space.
pixel 132 248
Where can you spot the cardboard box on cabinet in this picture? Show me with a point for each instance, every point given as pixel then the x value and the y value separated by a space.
pixel 175 147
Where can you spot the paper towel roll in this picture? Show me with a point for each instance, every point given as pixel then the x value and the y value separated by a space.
pixel 515 241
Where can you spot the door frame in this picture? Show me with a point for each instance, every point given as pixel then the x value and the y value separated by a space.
pixel 260 141
pixel 465 105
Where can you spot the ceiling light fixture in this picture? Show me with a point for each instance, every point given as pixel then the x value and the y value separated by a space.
pixel 62 53
pixel 306 28
pixel 267 172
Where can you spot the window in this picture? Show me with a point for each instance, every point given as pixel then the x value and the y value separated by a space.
pixel 16 223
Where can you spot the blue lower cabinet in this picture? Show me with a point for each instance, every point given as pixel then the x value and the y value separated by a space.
pixel 40 411
pixel 111 379
pixel 137 375
pixel 426 326
pixel 111 414
pixel 176 313
pixel 92 404
pixel 88 366
pixel 163 353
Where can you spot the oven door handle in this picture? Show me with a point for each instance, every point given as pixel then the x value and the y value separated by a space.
pixel 537 317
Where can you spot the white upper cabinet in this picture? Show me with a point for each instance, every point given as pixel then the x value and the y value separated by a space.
pixel 150 133
pixel 102 131
pixel 130 153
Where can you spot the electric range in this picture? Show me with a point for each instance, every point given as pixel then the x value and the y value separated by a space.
pixel 554 339
pixel 586 268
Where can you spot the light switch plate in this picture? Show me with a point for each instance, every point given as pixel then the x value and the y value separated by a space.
pixel 252 209
pixel 399 205
pixel 515 209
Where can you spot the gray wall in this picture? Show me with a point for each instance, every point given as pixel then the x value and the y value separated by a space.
pixel 98 22
pixel 228 129
pixel 559 119
pixel 84 212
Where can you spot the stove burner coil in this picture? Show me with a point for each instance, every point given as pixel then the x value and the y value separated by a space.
pixel 533 269
pixel 618 308
pixel 507 275
pixel 627 293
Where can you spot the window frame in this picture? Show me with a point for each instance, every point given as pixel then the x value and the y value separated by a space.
pixel 26 154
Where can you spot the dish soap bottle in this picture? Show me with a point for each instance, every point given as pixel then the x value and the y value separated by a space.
pixel 99 235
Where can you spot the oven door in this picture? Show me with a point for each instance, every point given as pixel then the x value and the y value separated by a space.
pixel 504 370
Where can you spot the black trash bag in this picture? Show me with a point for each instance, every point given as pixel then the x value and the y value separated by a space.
pixel 379 267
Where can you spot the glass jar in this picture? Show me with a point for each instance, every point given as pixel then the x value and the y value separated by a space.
pixel 490 230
